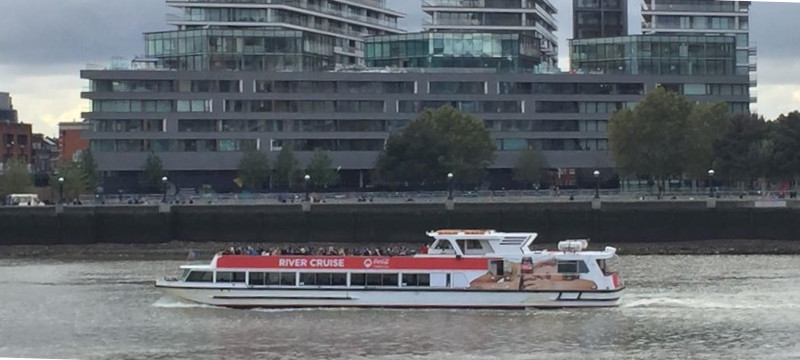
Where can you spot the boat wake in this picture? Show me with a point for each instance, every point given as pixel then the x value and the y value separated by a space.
pixel 700 303
pixel 172 303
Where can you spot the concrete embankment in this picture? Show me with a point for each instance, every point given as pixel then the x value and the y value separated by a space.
pixel 617 223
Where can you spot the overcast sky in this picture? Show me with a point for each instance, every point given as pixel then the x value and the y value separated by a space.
pixel 45 43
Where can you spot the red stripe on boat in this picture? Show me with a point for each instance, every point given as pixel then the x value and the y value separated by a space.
pixel 351 262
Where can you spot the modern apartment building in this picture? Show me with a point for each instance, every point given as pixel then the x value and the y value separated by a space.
pixel 705 17
pixel 533 17
pixel 343 23
pixel 200 135
pixel 599 18
pixel 272 88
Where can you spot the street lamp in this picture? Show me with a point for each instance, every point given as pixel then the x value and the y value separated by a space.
pixel 711 183
pixel 164 183
pixel 596 184
pixel 449 186
pixel 307 178
pixel 61 190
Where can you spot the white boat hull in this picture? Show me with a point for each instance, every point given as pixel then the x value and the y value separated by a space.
pixel 261 297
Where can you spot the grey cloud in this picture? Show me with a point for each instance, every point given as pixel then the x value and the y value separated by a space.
pixel 46 32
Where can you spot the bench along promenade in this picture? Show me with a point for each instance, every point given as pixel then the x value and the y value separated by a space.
pixel 600 220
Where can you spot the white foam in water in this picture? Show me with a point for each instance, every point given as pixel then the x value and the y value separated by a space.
pixel 700 303
pixel 169 302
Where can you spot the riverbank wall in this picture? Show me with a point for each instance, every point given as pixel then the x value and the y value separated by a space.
pixel 622 222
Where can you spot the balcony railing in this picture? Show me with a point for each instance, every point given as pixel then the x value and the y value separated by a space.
pixel 712 7
pixel 381 4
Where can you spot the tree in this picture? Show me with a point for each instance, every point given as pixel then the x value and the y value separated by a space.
pixel 438 142
pixel 254 169
pixel 88 166
pixel 743 151
pixel 286 168
pixel 665 136
pixel 152 172
pixel 530 168
pixel 321 170
pixel 15 178
pixel 708 122
pixel 75 180
pixel 786 135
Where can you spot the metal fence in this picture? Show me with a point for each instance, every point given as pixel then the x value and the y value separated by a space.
pixel 500 196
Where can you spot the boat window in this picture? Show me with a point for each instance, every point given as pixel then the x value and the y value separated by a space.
pixel 497 267
pixel 339 279
pixel 609 266
pixel 389 280
pixel 319 279
pixel 307 279
pixel 474 245
pixel 416 280
pixel 443 245
pixel 372 279
pixel 285 278
pixel 358 279
pixel 288 278
pixel 186 273
pixel 256 278
pixel 272 279
pixel 572 267
pixel 224 276
pixel 200 276
pixel 231 277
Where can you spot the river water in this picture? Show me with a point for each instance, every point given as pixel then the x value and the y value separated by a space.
pixel 677 307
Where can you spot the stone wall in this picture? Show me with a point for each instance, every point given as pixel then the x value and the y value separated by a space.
pixel 376 223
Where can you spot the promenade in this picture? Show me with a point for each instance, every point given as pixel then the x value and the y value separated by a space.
pixel 430 197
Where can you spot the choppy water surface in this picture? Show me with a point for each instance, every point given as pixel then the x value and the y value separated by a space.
pixel 701 307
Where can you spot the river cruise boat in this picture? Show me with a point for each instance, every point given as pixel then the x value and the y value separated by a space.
pixel 461 269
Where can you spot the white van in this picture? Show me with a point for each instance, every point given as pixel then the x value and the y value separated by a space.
pixel 23 200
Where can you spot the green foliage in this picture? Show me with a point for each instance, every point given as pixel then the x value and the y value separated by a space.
pixel 529 168
pixel 786 146
pixel 666 136
pixel 75 180
pixel 15 178
pixel 438 142
pixel 152 172
pixel 254 169
pixel 708 122
pixel 88 166
pixel 321 170
pixel 743 152
pixel 286 168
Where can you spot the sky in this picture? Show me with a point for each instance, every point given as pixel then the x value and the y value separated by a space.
pixel 45 43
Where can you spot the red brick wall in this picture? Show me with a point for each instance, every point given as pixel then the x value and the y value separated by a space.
pixel 15 142
pixel 69 142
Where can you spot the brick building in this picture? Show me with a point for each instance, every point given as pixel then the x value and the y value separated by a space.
pixel 15 142
pixel 71 140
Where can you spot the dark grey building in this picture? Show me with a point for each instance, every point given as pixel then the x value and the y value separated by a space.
pixel 200 122
pixel 599 18
pixel 7 112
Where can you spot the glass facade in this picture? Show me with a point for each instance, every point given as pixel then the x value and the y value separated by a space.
pixel 245 50
pixel 530 17
pixel 599 18
pixel 655 55
pixel 502 52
